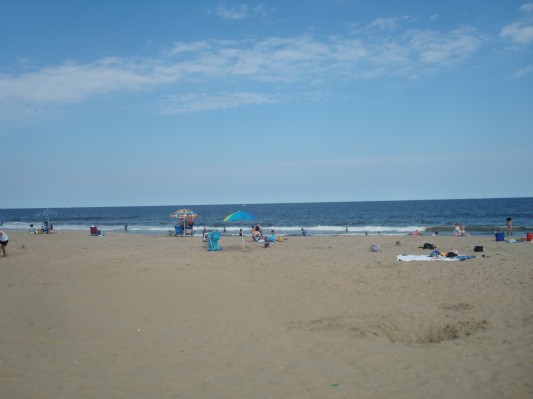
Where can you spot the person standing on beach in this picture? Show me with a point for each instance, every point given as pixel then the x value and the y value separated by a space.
pixel 4 239
pixel 509 224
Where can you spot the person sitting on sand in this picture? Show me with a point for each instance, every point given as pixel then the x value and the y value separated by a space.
pixel 256 233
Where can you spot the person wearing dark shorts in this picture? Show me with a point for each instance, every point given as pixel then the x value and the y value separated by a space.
pixel 4 239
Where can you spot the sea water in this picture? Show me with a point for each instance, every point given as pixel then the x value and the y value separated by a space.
pixel 479 216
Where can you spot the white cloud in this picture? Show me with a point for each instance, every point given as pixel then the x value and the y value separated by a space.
pixel 288 62
pixel 241 11
pixel 72 82
pixel 523 72
pixel 527 8
pixel 387 23
pixel 193 102
pixel 518 32
pixel 193 47
pixel 435 47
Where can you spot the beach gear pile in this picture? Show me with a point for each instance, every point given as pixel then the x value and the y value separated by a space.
pixel 375 248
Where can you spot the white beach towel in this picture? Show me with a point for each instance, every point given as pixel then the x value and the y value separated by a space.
pixel 408 258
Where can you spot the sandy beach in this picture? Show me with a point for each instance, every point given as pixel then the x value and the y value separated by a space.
pixel 139 316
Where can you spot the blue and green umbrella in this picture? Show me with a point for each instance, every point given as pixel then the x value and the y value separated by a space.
pixel 240 216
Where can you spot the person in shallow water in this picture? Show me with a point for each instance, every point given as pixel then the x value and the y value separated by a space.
pixel 509 224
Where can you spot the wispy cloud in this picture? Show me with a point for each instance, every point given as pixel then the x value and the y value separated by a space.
pixel 241 11
pixel 527 8
pixel 73 82
pixel 522 72
pixel 246 67
pixel 387 23
pixel 435 47
pixel 520 31
pixel 193 102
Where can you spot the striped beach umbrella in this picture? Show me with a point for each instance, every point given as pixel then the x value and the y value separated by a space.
pixel 184 214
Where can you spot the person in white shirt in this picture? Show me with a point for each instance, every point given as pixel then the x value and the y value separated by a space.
pixel 4 239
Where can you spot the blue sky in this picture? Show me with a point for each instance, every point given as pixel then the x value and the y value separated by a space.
pixel 115 103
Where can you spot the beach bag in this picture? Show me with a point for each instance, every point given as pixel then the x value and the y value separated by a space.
pixel 375 248
pixel 452 254
pixel 427 245
pixel 478 248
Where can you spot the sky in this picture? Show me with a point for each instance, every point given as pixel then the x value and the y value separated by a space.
pixel 129 103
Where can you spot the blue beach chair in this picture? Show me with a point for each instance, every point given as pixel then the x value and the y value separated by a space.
pixel 212 241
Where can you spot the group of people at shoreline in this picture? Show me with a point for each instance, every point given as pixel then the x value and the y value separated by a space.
pixel 459 230
pixel 257 234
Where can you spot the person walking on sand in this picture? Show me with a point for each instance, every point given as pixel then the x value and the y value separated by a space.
pixel 509 224
pixel 4 239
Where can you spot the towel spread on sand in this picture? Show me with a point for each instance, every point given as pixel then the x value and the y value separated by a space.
pixel 408 258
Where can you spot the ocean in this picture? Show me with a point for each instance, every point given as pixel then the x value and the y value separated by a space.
pixel 479 216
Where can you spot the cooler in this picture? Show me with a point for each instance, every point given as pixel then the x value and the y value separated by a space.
pixel 529 236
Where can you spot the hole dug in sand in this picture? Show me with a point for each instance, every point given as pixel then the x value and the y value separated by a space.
pixel 398 327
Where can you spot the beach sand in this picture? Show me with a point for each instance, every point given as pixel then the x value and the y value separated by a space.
pixel 136 316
